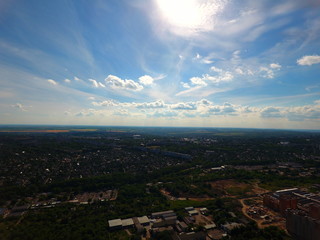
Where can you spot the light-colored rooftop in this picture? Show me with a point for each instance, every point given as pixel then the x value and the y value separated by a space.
pixel 209 226
pixel 193 212
pixel 127 222
pixel 232 225
pixel 115 223
pixel 143 220
pixel 189 208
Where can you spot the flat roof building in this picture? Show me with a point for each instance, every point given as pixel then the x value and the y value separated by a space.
pixel 230 226
pixel 182 226
pixel 115 223
pixel 189 209
pixel 209 226
pixel 160 214
pixel 145 221
pixel 193 212
pixel 126 223
pixel 137 225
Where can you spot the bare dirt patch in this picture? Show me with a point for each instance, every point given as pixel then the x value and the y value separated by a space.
pixel 277 220
pixel 231 187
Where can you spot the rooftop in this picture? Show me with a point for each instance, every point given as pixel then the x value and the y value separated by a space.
pixel 115 223
pixel 127 222
pixel 143 220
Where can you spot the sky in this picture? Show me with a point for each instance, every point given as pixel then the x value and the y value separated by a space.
pixel 195 63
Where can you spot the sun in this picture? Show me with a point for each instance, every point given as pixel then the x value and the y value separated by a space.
pixel 181 13
pixel 197 15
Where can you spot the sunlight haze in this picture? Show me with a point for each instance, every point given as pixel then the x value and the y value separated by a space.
pixel 198 63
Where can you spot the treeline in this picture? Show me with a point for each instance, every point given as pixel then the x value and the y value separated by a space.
pixel 252 232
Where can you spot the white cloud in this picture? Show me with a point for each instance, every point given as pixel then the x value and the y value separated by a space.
pixel 236 55
pixel 51 81
pixel 240 71
pixel 79 114
pixel 198 81
pixel 19 106
pixel 94 83
pixel 67 80
pixel 86 113
pixel 183 106
pixel 146 80
pixel 198 56
pixel 301 113
pixel 122 112
pixel 204 102
pixel 309 60
pixel 76 78
pixel 266 72
pixel 101 84
pixel 215 69
pixel 185 85
pixel 205 60
pixel 164 114
pixel 317 102
pixel 205 108
pixel 275 66
pixel 271 112
pixel 126 84
pixel 107 103
pixel 223 77
pixel 156 104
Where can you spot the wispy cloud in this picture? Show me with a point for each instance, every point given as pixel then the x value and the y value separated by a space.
pixel 52 82
pixel 19 106
pixel 94 83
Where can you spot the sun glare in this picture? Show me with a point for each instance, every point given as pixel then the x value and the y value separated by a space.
pixel 197 15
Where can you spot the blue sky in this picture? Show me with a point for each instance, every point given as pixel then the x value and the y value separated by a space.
pixel 201 63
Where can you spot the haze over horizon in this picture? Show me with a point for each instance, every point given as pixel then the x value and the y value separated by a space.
pixel 195 63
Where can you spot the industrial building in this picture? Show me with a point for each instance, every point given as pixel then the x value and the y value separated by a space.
pixel 161 214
